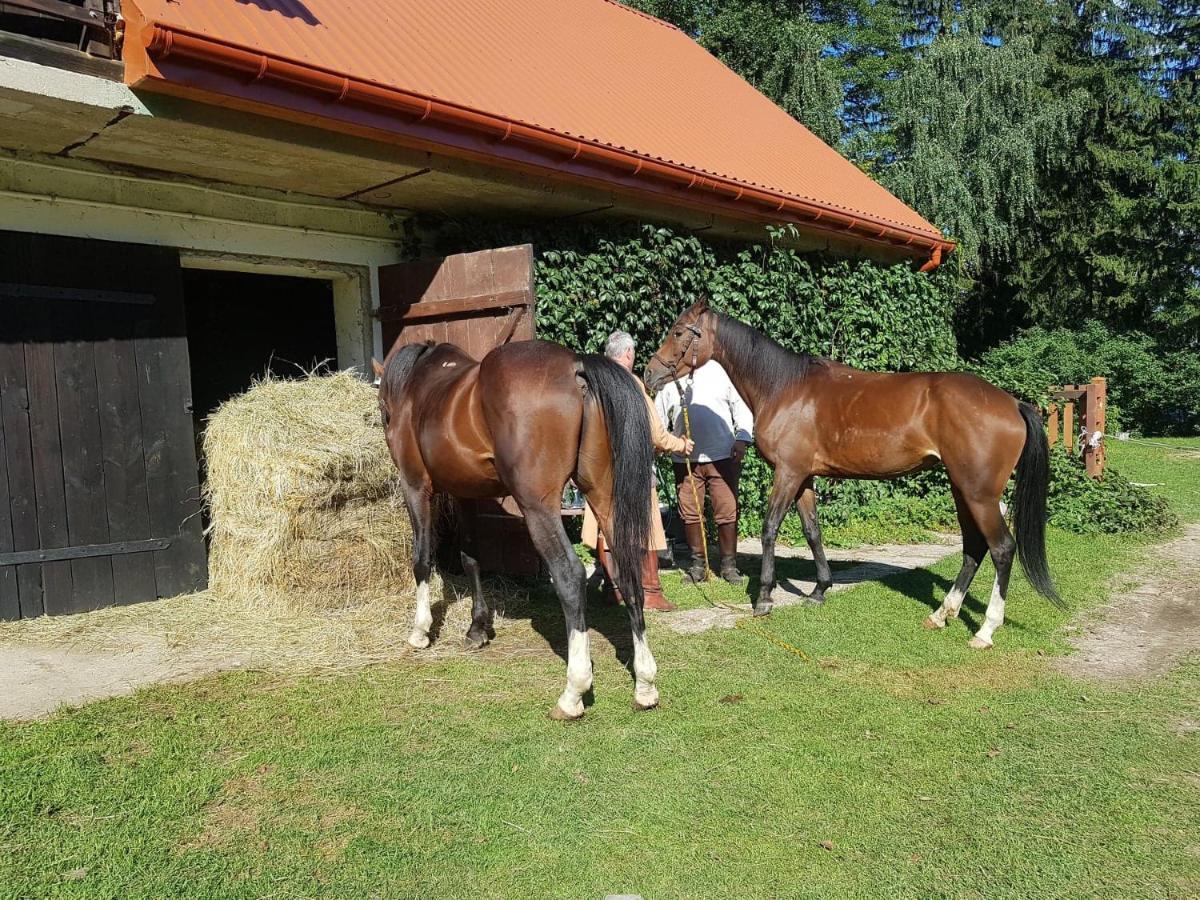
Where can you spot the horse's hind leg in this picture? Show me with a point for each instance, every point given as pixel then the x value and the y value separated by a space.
pixel 550 539
pixel 418 500
pixel 479 633
pixel 974 548
pixel 807 507
pixel 1001 545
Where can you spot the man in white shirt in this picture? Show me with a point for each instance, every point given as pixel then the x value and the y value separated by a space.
pixel 722 428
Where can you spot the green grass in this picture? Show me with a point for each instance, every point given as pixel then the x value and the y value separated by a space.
pixel 934 771
pixel 1177 471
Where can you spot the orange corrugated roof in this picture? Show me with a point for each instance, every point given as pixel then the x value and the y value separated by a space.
pixel 592 71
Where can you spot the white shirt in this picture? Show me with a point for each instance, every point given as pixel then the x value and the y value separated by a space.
pixel 717 411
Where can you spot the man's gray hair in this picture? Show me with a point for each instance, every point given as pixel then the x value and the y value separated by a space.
pixel 618 343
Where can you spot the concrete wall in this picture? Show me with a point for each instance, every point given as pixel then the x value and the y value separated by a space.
pixel 213 227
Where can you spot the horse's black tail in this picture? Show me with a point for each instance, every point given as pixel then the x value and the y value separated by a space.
pixel 1029 505
pixel 632 452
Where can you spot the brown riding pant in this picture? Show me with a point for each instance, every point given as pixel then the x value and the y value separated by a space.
pixel 716 480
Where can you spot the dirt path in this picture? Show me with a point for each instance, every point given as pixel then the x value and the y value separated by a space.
pixel 34 681
pixel 1151 622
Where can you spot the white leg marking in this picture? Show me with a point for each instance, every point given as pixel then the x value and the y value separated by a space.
pixel 645 671
pixel 423 619
pixel 993 620
pixel 949 608
pixel 579 674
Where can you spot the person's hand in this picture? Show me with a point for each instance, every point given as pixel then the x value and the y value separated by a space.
pixel 738 451
pixel 688 446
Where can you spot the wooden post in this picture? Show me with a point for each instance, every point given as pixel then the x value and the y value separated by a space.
pixel 1097 399
pixel 1052 424
pixel 1069 426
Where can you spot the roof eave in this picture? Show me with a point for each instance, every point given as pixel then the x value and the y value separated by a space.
pixel 336 99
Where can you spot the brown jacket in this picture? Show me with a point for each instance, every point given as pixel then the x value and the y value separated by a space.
pixel 664 442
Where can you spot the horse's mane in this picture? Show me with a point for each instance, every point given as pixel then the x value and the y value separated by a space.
pixel 760 359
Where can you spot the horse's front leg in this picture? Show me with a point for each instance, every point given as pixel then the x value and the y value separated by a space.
pixel 807 507
pixel 783 492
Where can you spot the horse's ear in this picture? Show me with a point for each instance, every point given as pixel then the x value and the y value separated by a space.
pixel 377 366
pixel 701 305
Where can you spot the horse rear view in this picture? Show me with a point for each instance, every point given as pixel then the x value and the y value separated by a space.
pixel 520 423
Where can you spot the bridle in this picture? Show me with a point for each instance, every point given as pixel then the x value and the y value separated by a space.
pixel 673 367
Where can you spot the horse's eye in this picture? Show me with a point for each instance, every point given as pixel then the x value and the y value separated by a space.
pixel 679 333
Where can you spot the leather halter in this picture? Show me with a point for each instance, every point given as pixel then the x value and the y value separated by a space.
pixel 674 366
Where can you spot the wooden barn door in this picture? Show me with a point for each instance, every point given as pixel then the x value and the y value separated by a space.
pixel 477 301
pixel 99 493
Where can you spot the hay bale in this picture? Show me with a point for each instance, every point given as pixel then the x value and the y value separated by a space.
pixel 303 497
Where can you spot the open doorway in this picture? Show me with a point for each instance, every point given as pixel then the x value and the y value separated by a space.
pixel 241 326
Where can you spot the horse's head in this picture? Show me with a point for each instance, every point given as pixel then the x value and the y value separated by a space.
pixel 688 346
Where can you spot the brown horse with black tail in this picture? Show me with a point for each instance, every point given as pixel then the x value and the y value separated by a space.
pixel 813 416
pixel 520 423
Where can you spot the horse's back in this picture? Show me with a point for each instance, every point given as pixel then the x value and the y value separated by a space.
pixel 884 424
pixel 530 378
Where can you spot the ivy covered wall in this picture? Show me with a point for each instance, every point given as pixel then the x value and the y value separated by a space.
pixel 595 278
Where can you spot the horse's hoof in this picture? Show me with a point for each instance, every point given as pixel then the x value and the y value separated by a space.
pixel 418 641
pixel 471 642
pixel 762 609
pixel 978 643
pixel 932 624
pixel 642 702
pixel 558 714
pixel 816 598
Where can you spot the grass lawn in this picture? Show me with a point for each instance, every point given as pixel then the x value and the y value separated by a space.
pixel 924 768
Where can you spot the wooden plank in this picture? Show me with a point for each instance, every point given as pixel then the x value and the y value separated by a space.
pixel 50 292
pixel 83 466
pixel 21 510
pixel 10 598
pixel 59 56
pixel 164 398
pixel 48 484
pixel 123 458
pixel 57 9
pixel 1069 427
pixel 431 309
pixel 1052 424
pixel 115 549
pixel 1094 420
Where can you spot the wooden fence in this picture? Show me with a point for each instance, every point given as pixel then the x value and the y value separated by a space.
pixel 1085 404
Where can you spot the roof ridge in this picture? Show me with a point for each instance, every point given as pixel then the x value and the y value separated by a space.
pixel 645 15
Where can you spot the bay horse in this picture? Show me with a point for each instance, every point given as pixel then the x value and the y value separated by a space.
pixel 521 422
pixel 814 416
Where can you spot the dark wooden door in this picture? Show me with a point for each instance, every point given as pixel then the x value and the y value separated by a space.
pixel 99 492
pixel 476 301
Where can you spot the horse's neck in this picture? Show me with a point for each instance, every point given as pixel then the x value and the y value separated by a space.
pixel 751 390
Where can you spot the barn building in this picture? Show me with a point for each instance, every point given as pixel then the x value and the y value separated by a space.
pixel 193 191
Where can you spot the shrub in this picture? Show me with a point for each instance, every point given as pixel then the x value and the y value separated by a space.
pixel 1110 505
pixel 1149 391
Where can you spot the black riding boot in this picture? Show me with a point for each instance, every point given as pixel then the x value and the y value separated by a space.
pixel 695 572
pixel 727 536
